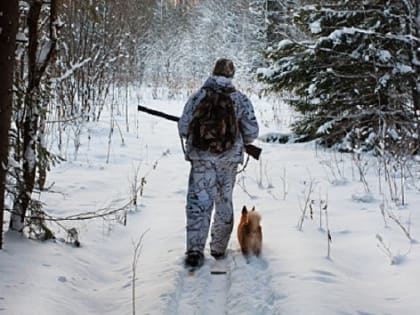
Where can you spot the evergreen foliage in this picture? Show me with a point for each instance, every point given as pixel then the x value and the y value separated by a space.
pixel 355 73
pixel 272 22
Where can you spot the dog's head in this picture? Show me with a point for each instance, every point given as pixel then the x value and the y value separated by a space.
pixel 252 217
pixel 245 211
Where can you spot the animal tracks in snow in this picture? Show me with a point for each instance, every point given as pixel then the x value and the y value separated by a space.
pixel 251 291
pixel 321 276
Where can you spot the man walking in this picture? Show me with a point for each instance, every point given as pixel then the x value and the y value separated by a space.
pixel 214 148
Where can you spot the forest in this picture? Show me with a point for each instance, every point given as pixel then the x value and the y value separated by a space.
pixel 336 90
pixel 350 69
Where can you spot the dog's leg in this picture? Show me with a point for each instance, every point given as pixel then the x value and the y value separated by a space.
pixel 247 259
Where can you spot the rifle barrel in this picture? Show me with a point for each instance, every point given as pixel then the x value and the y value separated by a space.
pixel 157 113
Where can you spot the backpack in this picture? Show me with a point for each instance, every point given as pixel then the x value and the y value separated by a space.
pixel 214 126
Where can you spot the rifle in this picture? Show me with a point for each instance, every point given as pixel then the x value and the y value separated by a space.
pixel 251 149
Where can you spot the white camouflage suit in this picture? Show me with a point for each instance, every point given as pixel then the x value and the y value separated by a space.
pixel 212 176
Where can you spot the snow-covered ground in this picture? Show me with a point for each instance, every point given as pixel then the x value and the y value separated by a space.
pixel 294 274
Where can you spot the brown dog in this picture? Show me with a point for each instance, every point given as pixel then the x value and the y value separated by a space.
pixel 249 232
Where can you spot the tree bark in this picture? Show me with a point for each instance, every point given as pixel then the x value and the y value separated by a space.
pixel 36 69
pixel 8 30
pixel 416 89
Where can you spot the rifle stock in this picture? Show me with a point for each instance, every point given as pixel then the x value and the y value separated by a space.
pixel 251 149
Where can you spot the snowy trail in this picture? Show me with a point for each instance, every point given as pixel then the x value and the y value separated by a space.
pixel 251 290
pixel 245 289
pixel 200 292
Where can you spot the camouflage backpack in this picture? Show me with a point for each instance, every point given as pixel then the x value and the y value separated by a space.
pixel 214 126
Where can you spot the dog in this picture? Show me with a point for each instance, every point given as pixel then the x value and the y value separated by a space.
pixel 250 233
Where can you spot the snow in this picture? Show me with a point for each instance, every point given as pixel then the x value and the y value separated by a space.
pixel 337 35
pixel 315 27
pixel 266 72
pixel 384 56
pixel 293 276
pixel 21 37
pixel 383 80
pixel 71 70
pixel 394 134
pixel 44 51
pixel 312 89
pixel 283 44
pixel 326 127
pixel 404 69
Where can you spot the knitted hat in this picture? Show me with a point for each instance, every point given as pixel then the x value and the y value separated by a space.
pixel 224 67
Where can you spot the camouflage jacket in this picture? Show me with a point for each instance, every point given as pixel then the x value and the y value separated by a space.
pixel 244 111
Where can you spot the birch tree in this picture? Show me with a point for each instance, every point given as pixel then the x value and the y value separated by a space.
pixel 40 52
pixel 8 29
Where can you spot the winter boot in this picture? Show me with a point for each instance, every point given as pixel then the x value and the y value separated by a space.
pixel 194 259
pixel 217 256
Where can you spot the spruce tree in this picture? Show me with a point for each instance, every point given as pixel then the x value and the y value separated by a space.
pixel 355 73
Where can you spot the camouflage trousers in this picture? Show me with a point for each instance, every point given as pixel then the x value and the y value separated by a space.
pixel 210 184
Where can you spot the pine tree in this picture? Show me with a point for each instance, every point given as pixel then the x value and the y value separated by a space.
pixel 355 73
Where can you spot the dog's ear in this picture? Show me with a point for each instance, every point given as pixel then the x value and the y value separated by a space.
pixel 244 210
pixel 253 208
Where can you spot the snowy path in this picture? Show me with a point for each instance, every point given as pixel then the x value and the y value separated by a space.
pixel 200 293
pixel 251 291
pixel 245 289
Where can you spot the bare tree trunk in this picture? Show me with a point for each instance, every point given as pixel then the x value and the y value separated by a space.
pixel 416 89
pixel 26 183
pixel 43 167
pixel 8 27
pixel 36 69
